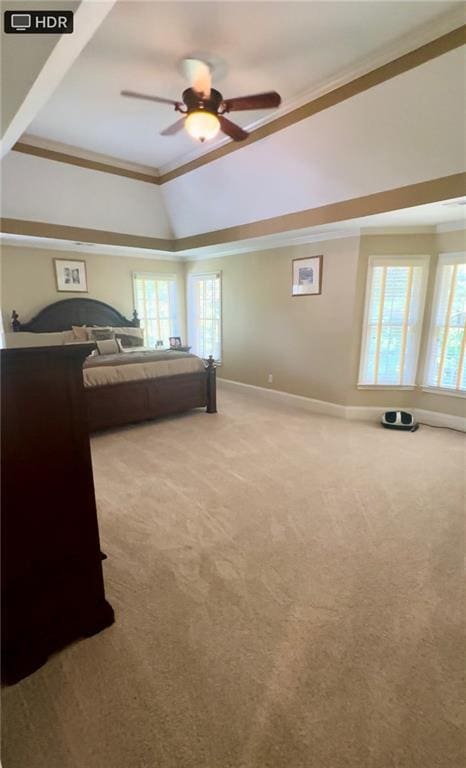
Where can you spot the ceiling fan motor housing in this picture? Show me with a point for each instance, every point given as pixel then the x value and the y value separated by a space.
pixel 195 102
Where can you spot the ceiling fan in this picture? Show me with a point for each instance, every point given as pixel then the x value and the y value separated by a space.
pixel 203 108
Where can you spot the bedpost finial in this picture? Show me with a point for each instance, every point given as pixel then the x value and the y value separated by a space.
pixel 15 324
pixel 136 320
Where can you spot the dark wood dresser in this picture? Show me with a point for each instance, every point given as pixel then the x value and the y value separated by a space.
pixel 52 582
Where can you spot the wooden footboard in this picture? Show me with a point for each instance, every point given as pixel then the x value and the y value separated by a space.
pixel 114 405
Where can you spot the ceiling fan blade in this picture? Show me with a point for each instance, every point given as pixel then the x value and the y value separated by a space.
pixel 147 97
pixel 232 130
pixel 257 101
pixel 199 74
pixel 174 128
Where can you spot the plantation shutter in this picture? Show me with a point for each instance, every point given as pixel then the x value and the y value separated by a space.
pixel 446 349
pixel 393 317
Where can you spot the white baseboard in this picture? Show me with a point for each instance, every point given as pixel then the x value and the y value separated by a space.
pixel 436 419
pixel 299 401
pixel 366 412
pixel 349 412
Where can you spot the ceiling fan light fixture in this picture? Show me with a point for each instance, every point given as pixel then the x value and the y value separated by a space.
pixel 202 124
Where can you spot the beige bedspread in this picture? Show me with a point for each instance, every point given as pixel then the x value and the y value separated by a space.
pixel 100 370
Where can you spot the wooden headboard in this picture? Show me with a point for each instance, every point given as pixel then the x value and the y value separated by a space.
pixel 61 315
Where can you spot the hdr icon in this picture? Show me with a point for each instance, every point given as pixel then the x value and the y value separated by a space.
pixel 38 22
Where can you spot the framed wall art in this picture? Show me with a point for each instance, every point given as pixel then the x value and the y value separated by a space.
pixel 70 275
pixel 307 276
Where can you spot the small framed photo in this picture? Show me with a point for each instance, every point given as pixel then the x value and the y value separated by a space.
pixel 175 341
pixel 307 276
pixel 71 275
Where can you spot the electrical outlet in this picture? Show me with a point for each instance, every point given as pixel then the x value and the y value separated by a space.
pixel 270 378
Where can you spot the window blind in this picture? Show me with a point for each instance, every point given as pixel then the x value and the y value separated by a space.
pixel 392 323
pixel 446 347
pixel 205 315
pixel 156 302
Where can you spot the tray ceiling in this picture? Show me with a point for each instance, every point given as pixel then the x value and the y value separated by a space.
pixel 295 48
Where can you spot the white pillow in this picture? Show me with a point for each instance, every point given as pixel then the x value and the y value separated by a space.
pixel 79 332
pixel 107 347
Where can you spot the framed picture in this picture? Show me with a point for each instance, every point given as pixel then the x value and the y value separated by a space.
pixel 71 275
pixel 307 276
pixel 175 341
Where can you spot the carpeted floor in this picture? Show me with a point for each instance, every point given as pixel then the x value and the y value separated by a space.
pixel 288 595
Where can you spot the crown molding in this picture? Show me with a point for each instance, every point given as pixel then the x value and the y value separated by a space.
pixel 452 226
pixel 98 249
pixel 271 243
pixel 445 188
pixel 83 235
pixel 327 97
pixel 399 230
pixel 214 252
pixel 87 154
pixel 64 153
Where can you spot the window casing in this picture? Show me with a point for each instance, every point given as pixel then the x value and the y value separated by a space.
pixel 445 360
pixel 394 308
pixel 155 299
pixel 205 315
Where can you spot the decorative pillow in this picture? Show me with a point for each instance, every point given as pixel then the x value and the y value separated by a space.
pixel 100 334
pixel 80 332
pixel 68 337
pixel 107 347
pixel 139 348
pixel 130 331
pixel 128 340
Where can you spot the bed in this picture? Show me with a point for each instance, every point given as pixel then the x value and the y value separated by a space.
pixel 133 386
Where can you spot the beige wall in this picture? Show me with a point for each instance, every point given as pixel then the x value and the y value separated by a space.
pixel 304 342
pixel 28 280
pixel 311 345
pixel 451 242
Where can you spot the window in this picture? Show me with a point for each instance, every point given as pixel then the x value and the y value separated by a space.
pixel 392 324
pixel 205 315
pixel 445 367
pixel 156 304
